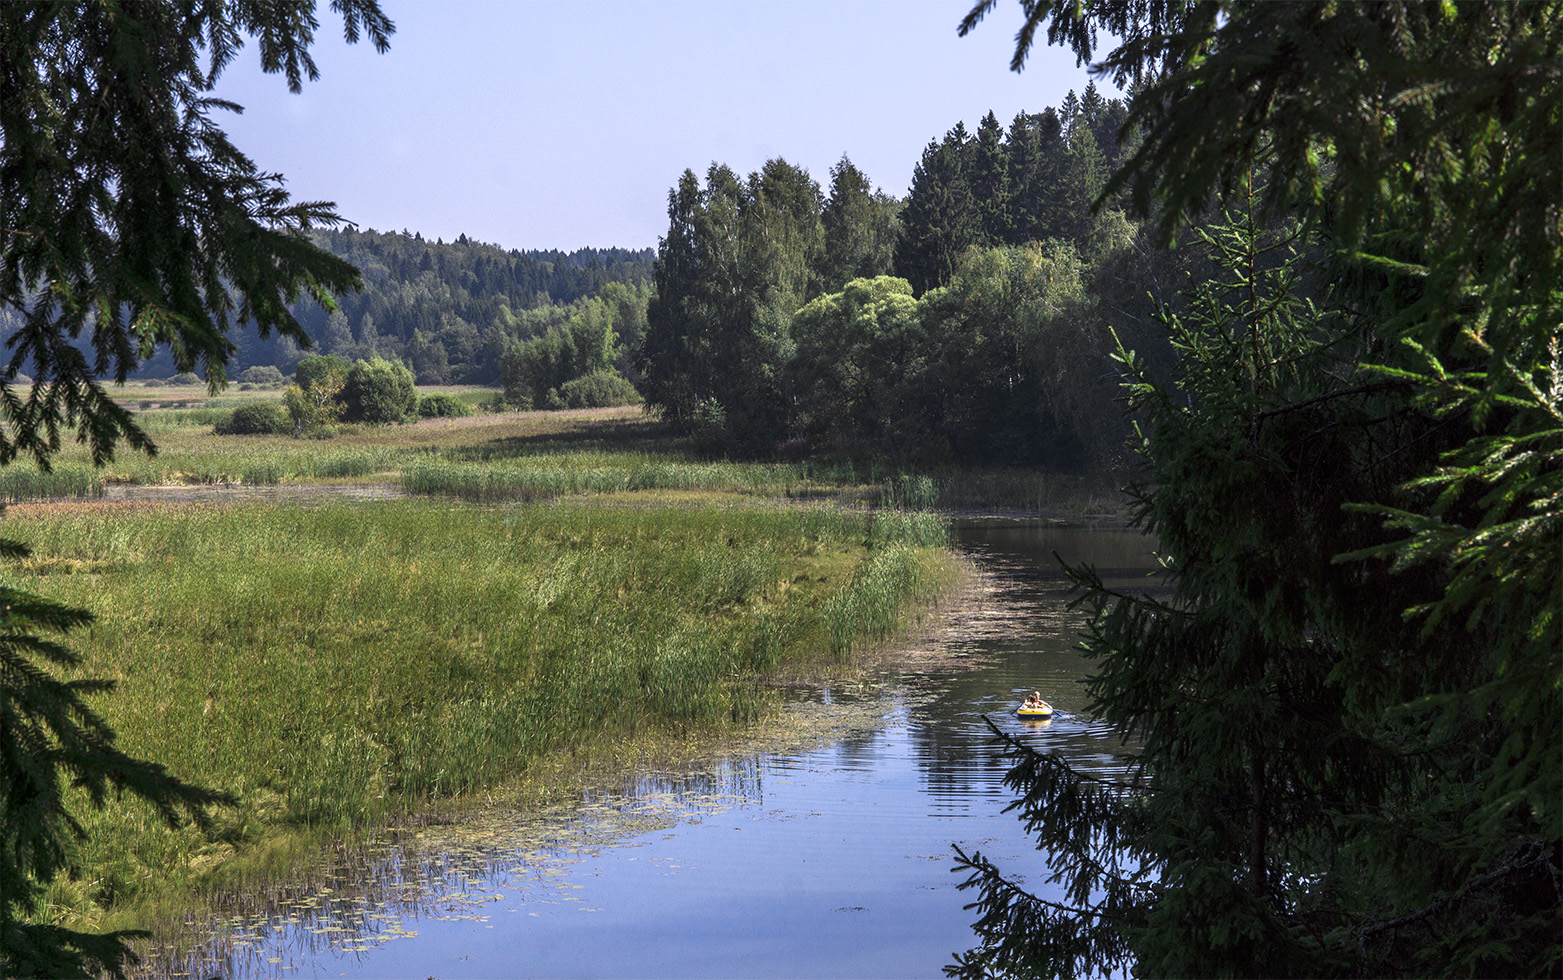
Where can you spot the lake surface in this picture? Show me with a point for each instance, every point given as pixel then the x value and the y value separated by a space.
pixel 829 861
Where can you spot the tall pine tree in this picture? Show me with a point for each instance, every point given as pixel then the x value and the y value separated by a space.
pixel 940 220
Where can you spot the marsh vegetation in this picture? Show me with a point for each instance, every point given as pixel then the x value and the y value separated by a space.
pixel 337 665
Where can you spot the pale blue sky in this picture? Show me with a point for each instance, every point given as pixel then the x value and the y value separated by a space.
pixel 563 124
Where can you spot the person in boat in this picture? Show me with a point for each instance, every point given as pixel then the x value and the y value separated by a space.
pixel 1034 701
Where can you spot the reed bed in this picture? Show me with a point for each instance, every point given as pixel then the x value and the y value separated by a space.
pixel 336 666
pixel 537 477
pixel 19 482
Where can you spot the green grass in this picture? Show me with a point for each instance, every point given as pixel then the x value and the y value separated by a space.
pixel 20 482
pixel 340 665
pixel 541 455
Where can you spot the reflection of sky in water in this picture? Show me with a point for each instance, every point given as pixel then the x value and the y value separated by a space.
pixel 832 862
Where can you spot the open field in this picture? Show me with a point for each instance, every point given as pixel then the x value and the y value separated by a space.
pixel 534 455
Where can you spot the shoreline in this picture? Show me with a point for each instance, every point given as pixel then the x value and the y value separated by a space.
pixel 559 788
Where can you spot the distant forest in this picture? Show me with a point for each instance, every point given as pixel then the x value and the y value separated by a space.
pixel 448 310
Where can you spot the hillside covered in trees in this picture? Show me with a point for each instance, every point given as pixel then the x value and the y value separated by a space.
pixel 448 310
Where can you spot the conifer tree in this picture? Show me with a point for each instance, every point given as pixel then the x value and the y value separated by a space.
pixel 940 220
pixel 860 228
pixel 1353 747
pixel 1037 155
pixel 1085 175
pixel 988 167
pixel 674 346
pixel 738 261
pixel 127 218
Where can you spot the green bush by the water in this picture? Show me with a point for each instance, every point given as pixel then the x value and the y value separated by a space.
pixel 380 392
pixel 264 374
pixel 604 388
pixel 255 419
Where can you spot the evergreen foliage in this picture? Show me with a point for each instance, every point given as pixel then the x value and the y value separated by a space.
pixel 1353 743
pixel 1003 357
pixel 738 261
pixel 129 223
pixel 449 310
pixel 861 227
pixel 1040 180
pixel 940 220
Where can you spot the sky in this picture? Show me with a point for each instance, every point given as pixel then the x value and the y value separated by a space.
pixel 535 125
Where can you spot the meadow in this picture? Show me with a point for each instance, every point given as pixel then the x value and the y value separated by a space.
pixel 339 665
pixel 526 456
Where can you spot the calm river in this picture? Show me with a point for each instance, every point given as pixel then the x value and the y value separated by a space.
pixel 830 861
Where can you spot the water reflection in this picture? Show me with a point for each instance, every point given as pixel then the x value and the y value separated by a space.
pixel 827 861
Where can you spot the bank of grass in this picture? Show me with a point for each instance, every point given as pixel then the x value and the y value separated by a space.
pixel 341 666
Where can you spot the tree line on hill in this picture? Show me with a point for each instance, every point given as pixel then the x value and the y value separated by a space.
pixel 448 310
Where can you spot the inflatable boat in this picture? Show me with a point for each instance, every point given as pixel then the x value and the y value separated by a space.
pixel 1044 711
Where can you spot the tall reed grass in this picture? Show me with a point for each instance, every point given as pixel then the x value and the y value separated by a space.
pixel 531 456
pixel 544 477
pixel 21 482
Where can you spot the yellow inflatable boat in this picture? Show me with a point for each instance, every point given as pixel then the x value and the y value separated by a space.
pixel 1045 710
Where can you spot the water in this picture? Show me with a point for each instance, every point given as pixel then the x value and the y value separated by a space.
pixel 828 861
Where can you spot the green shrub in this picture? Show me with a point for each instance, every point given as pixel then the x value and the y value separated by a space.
pixel 380 392
pixel 312 367
pixel 185 379
pixel 605 388
pixel 261 374
pixel 711 434
pixel 254 419
pixel 440 405
pixel 153 383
